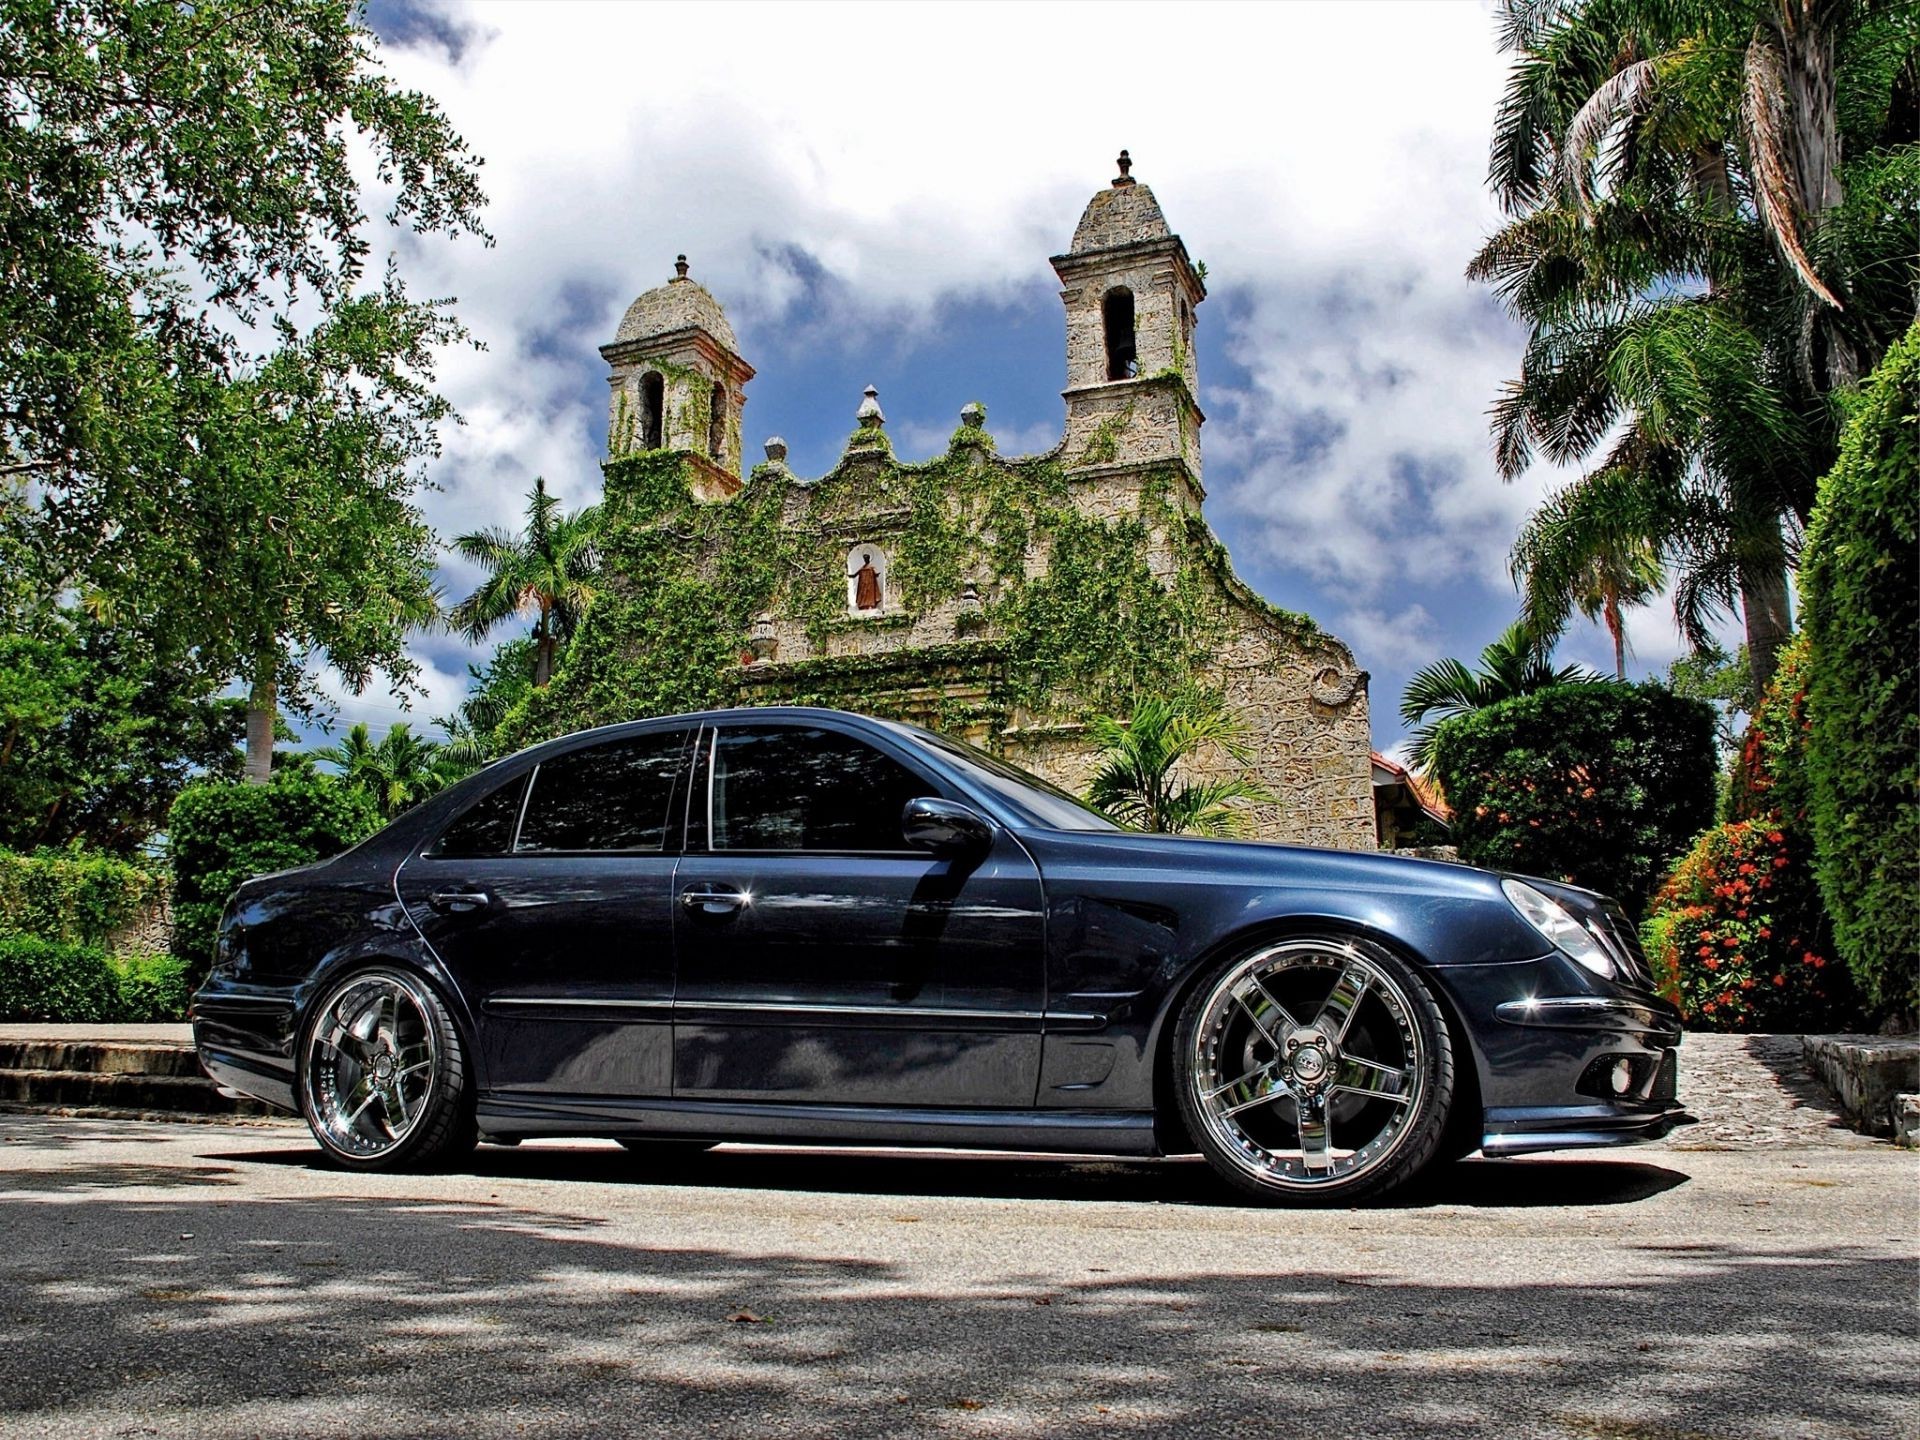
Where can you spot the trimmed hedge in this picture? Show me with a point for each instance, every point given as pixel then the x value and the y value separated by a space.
pixel 1599 785
pixel 1861 610
pixel 221 835
pixel 72 897
pixel 62 983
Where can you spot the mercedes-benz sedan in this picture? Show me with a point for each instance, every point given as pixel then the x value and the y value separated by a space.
pixel 805 925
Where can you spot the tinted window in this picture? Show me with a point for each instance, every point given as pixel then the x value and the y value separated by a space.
pixel 485 828
pixel 610 797
pixel 805 789
pixel 1041 803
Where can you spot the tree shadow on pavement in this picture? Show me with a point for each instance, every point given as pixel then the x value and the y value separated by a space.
pixel 345 1315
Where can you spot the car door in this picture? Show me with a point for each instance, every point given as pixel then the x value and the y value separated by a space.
pixel 820 959
pixel 551 902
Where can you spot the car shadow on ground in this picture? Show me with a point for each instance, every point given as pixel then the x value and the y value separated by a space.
pixel 1182 1180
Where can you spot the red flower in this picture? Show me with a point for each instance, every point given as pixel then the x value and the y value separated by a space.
pixel 1776 838
pixel 1779 980
pixel 1746 867
pixel 1764 933
pixel 1711 963
pixel 1779 862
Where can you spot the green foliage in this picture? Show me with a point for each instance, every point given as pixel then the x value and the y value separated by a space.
pixel 398 772
pixel 550 569
pixel 60 982
pixel 1862 616
pixel 47 980
pixel 687 579
pixel 73 897
pixel 1769 780
pixel 1515 664
pixel 220 835
pixel 1723 681
pixel 1737 936
pixel 97 735
pixel 1143 776
pixel 492 693
pixel 1600 785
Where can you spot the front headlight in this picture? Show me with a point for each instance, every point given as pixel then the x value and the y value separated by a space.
pixel 1556 923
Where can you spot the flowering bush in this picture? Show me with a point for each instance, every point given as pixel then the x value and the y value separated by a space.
pixel 1738 939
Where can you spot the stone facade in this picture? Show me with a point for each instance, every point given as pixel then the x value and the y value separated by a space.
pixel 955 568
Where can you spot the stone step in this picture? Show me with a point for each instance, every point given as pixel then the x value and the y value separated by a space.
pixel 144 1077
pixel 99 1057
pixel 1869 1075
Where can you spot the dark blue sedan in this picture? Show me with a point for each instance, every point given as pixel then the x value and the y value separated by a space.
pixel 804 925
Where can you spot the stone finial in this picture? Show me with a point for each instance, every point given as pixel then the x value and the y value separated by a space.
pixel 776 450
pixel 869 414
pixel 679 267
pixel 973 415
pixel 1125 177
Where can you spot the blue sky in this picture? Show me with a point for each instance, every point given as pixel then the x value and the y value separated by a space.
pixel 873 193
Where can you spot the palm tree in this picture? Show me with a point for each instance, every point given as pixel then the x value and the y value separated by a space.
pixel 1661 258
pixel 1136 783
pixel 548 569
pixel 399 772
pixel 1573 555
pixel 1511 666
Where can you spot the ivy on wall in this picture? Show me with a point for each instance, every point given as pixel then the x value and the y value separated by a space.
pixel 1073 620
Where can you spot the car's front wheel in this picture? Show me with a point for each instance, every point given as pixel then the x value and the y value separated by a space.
pixel 1315 1069
pixel 382 1074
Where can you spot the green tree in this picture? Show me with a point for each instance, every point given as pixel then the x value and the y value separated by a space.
pixel 1513 665
pixel 398 772
pixel 1144 781
pixel 180 178
pixel 1666 196
pixel 1564 563
pixel 549 569
pixel 492 692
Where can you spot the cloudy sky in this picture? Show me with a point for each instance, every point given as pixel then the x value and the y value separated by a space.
pixel 873 192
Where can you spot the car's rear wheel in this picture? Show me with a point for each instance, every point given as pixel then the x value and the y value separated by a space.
pixel 1315 1069
pixel 382 1074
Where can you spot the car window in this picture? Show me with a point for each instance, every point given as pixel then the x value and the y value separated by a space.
pixel 613 796
pixel 486 827
pixel 1036 801
pixel 799 788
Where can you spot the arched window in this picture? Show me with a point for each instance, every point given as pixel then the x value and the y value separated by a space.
pixel 717 423
pixel 653 405
pixel 1116 315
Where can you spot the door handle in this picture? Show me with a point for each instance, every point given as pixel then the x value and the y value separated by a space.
pixel 457 900
pixel 713 901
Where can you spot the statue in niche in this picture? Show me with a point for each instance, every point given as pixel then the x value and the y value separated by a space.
pixel 866 584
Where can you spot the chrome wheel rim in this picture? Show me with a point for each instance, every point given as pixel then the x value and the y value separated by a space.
pixel 1308 1066
pixel 370 1065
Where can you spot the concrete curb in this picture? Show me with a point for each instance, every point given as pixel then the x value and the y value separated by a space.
pixel 1876 1079
pixel 107 1076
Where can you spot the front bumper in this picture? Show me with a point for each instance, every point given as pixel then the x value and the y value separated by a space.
pixel 1567 1061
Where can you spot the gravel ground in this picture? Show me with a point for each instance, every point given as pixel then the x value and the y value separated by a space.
pixel 172 1279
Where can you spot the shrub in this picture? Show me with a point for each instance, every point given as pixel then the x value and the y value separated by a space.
pixel 1769 777
pixel 73 897
pixel 47 980
pixel 1862 617
pixel 1738 938
pixel 153 988
pixel 221 835
pixel 1599 785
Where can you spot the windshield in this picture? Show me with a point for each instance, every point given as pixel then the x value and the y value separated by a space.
pixel 1032 798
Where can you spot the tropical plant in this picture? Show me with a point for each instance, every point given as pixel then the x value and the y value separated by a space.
pixel 493 691
pixel 398 772
pixel 1697 274
pixel 549 569
pixel 1145 775
pixel 1563 564
pixel 1513 665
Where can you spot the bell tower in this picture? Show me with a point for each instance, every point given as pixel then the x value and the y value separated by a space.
pixel 1130 293
pixel 679 383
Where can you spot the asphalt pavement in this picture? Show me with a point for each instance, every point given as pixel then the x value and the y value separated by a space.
pixel 173 1279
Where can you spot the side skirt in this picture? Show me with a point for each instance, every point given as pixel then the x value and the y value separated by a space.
pixel 1082 1132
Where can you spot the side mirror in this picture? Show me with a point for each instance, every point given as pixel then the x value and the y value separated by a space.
pixel 945 827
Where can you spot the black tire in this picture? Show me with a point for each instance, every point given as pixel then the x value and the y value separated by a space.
pixel 381 1074
pixel 1292 1028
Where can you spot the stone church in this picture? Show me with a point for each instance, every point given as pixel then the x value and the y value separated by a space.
pixel 1004 599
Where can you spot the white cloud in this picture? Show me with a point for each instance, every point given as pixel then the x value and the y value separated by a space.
pixel 1408 637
